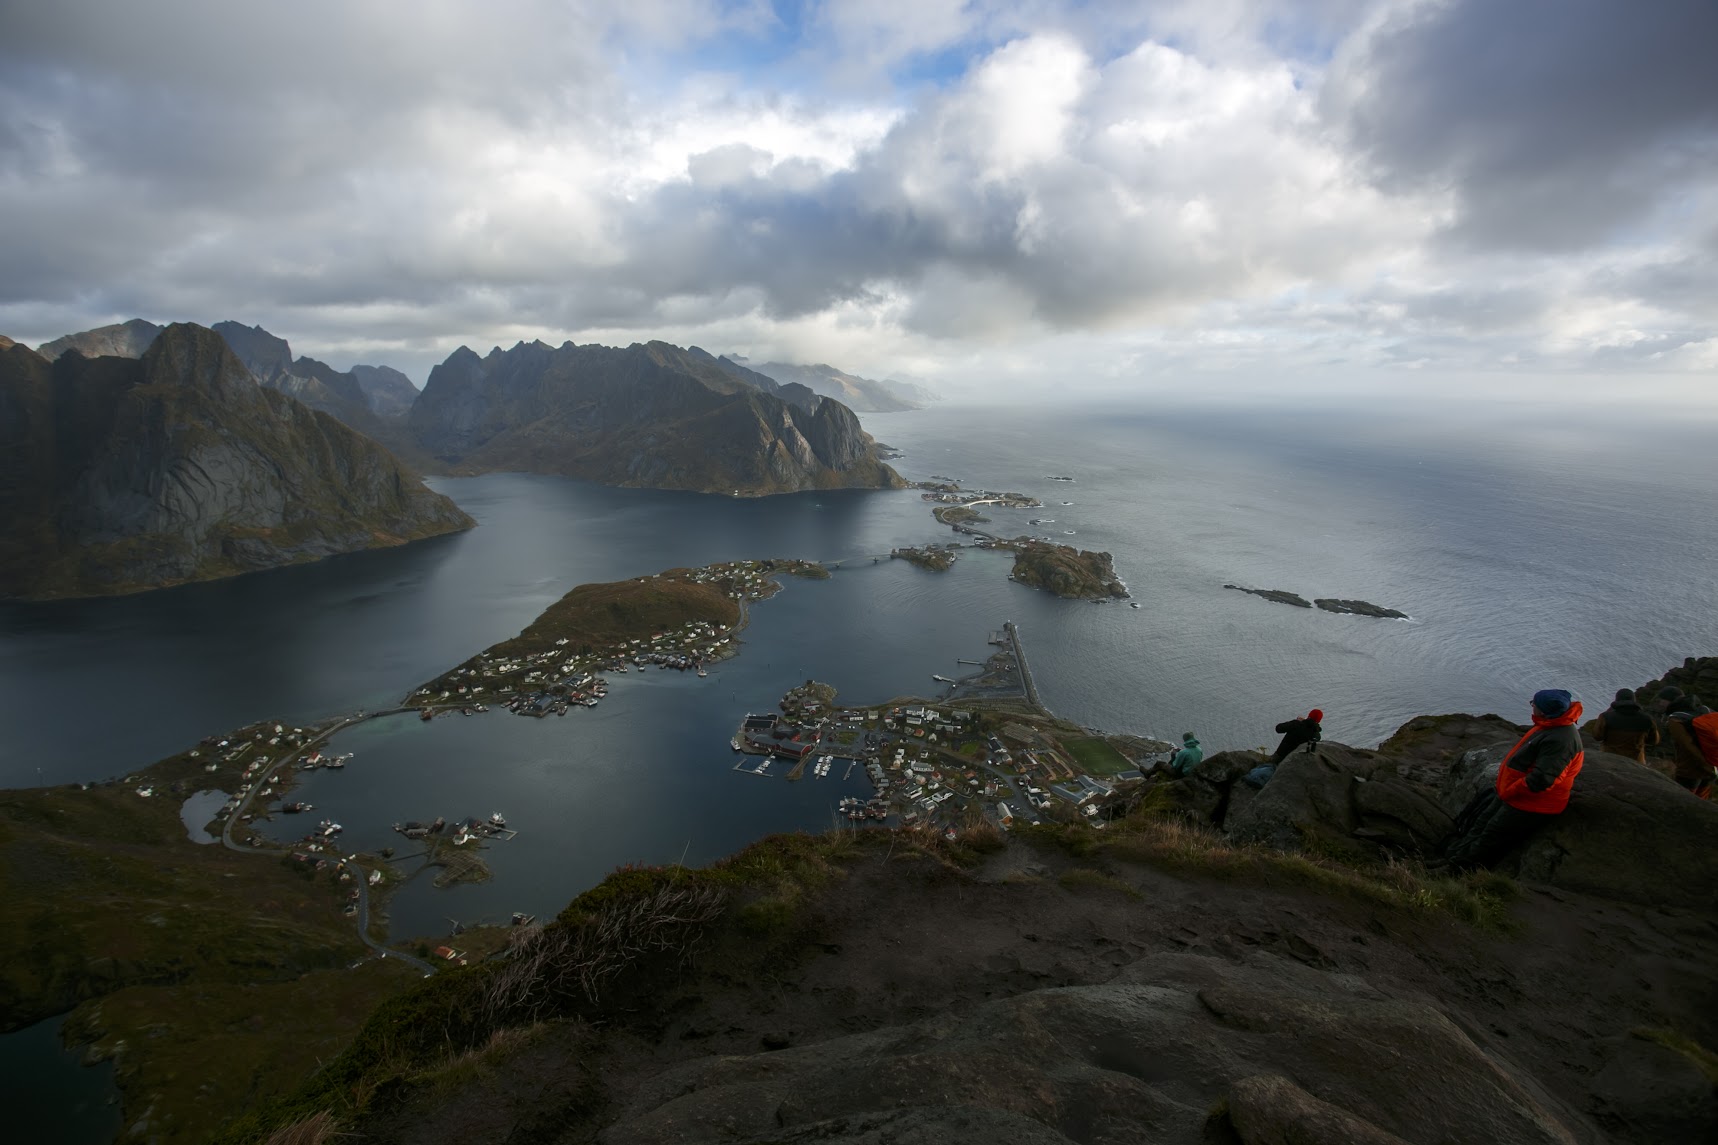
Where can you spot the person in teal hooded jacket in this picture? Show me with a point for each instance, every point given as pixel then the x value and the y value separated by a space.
pixel 1189 755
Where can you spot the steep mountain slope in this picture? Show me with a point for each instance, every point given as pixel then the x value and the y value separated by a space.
pixel 124 340
pixel 863 394
pixel 121 474
pixel 648 415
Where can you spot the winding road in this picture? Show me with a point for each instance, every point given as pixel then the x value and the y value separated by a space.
pixel 363 875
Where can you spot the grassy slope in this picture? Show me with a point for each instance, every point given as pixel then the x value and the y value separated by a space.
pixel 179 952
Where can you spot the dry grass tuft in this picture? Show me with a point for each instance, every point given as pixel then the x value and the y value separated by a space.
pixel 462 1069
pixel 549 967
pixel 315 1130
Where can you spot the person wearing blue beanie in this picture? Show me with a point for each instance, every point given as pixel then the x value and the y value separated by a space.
pixel 1532 786
pixel 1552 702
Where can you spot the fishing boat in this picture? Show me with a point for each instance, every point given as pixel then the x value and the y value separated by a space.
pixel 496 820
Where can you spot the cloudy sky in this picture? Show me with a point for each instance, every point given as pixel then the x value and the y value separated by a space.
pixel 988 194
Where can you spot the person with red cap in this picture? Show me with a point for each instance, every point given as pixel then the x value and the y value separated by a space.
pixel 1533 785
pixel 1295 733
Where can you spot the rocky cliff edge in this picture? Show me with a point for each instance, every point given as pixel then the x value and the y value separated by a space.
pixel 1293 979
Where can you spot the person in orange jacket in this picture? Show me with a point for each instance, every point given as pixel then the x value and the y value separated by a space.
pixel 1533 785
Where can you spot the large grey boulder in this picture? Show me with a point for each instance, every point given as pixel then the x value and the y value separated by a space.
pixel 1145 1058
pixel 1628 833
pixel 1338 798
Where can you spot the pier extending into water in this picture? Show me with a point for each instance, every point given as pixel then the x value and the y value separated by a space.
pixel 1026 681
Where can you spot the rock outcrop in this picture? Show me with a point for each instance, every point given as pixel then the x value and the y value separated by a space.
pixel 1626 829
pixel 123 474
pixel 1696 676
pixel 648 415
pixel 1143 1057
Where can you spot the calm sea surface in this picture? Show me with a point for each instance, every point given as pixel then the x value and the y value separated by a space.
pixel 1529 554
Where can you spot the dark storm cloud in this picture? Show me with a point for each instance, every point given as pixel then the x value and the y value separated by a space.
pixel 1555 122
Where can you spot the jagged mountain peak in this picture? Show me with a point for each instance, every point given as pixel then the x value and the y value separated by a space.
pixel 185 354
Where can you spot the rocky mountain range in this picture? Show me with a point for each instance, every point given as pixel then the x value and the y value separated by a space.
pixel 120 473
pixel 865 395
pixel 364 397
pixel 649 414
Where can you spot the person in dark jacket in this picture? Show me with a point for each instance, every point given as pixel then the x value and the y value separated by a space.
pixel 1625 728
pixel 1532 787
pixel 1691 768
pixel 1296 733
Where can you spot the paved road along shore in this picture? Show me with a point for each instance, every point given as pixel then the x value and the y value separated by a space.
pixel 363 876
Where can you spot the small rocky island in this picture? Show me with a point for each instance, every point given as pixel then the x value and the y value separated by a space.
pixel 1325 603
pixel 932 557
pixel 1280 595
pixel 1078 574
pixel 1358 608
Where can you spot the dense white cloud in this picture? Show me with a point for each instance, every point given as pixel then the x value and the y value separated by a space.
pixel 970 188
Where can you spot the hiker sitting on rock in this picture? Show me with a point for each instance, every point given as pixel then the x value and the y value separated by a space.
pixel 1625 729
pixel 1533 784
pixel 1694 770
pixel 1189 755
pixel 1308 730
